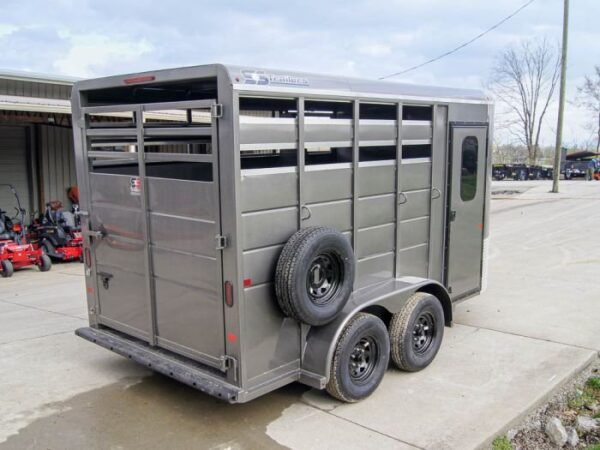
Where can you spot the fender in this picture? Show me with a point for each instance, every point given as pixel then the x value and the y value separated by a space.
pixel 383 300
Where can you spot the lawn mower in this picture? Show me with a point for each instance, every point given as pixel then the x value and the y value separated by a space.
pixel 58 233
pixel 15 252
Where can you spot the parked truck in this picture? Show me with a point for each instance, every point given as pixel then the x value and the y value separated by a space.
pixel 247 228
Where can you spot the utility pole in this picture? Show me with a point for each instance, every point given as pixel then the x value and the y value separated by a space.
pixel 561 100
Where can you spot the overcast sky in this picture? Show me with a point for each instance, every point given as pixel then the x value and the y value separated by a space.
pixel 366 38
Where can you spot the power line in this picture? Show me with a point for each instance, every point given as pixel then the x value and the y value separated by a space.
pixel 454 50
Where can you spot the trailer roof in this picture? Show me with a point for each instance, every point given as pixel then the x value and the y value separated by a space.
pixel 253 79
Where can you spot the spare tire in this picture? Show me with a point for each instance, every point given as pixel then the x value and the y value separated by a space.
pixel 315 275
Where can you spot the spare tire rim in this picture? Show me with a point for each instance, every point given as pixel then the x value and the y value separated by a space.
pixel 363 359
pixel 423 332
pixel 323 279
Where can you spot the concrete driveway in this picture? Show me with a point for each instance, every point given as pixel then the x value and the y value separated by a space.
pixel 537 325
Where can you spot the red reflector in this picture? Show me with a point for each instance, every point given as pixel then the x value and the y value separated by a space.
pixel 90 290
pixel 480 226
pixel 231 337
pixel 87 255
pixel 247 282
pixel 229 293
pixel 142 79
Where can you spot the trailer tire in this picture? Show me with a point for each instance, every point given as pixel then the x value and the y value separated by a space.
pixel 416 332
pixel 7 269
pixel 45 263
pixel 315 275
pixel 360 359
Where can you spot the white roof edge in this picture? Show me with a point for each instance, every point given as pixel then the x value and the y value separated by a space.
pixel 34 77
pixel 34 104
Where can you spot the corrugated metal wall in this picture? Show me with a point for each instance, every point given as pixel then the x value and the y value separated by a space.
pixel 56 169
pixel 14 168
pixel 32 89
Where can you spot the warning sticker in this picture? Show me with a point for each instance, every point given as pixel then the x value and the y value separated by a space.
pixel 135 186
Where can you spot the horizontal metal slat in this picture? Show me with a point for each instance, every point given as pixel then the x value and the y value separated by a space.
pixel 178 131
pixel 111 132
pixel 185 157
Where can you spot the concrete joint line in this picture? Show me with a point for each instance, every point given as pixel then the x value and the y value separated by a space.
pixel 37 337
pixel 42 310
pixel 531 337
pixel 330 412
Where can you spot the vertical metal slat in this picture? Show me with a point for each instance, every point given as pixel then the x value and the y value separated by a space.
pixel 398 184
pixel 301 162
pixel 355 164
pixel 148 267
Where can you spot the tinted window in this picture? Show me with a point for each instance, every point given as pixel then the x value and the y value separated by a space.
pixel 468 176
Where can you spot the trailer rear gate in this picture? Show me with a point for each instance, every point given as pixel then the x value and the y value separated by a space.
pixel 159 250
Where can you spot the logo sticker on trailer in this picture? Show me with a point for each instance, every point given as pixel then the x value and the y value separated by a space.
pixel 135 186
pixel 263 78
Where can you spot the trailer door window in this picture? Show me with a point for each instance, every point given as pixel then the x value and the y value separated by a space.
pixel 468 176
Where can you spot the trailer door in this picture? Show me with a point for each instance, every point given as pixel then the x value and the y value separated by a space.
pixel 154 219
pixel 466 209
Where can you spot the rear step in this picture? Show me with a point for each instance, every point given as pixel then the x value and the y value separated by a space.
pixel 182 370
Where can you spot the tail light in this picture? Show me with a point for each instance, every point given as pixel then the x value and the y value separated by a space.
pixel 17 228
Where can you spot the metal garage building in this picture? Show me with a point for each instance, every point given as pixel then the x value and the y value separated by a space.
pixel 36 141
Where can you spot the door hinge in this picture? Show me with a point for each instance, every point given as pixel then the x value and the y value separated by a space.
pixel 221 242
pixel 216 110
pixel 452 216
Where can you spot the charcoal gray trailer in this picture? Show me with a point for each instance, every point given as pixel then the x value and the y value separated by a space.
pixel 247 228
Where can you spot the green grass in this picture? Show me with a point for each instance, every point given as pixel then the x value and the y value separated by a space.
pixel 587 395
pixel 594 384
pixel 502 443
pixel 593 447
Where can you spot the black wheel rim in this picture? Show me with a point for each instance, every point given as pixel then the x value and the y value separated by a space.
pixel 363 359
pixel 324 277
pixel 423 332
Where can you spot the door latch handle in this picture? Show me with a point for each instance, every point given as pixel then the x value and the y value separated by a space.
pixel 402 198
pixel 106 277
pixel 452 216
pixel 435 193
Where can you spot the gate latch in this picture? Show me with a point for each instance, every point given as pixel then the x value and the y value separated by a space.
pixel 229 363
pixel 105 279
pixel 216 110
pixel 221 242
pixel 93 234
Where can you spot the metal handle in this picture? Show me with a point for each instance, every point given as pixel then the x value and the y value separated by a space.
pixel 402 198
pixel 437 195
pixel 94 234
pixel 306 209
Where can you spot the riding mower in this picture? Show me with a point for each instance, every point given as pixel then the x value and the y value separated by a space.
pixel 57 232
pixel 15 252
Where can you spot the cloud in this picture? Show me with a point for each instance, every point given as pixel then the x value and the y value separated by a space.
pixel 6 29
pixel 375 50
pixel 93 54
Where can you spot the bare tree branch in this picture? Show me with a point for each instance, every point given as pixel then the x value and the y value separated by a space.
pixel 524 79
pixel 589 98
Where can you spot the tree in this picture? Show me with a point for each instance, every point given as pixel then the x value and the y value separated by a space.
pixel 524 79
pixel 589 98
